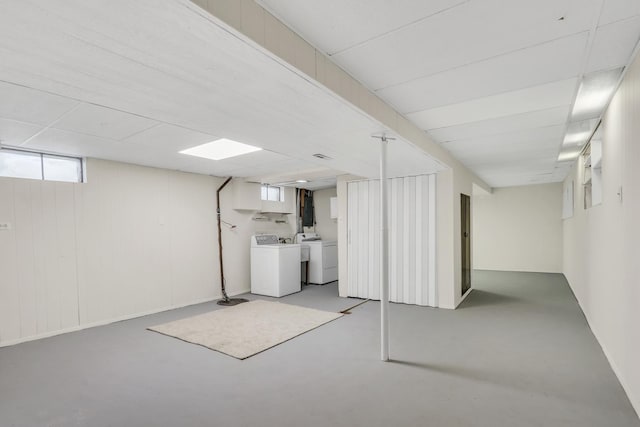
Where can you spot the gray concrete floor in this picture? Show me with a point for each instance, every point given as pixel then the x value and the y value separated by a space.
pixel 517 353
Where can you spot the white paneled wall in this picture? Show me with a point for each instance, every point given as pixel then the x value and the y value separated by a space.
pixel 38 270
pixel 412 240
pixel 132 240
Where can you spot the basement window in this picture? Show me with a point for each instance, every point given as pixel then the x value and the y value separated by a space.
pixel 592 171
pixel 272 193
pixel 33 165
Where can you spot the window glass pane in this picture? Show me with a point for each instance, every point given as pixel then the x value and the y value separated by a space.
pixel 274 193
pixel 17 164
pixel 62 169
pixel 263 195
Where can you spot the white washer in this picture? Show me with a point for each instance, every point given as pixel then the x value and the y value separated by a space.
pixel 323 258
pixel 275 267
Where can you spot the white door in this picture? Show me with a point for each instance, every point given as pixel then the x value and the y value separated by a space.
pixel 412 239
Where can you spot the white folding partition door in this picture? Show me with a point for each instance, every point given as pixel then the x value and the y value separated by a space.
pixel 412 239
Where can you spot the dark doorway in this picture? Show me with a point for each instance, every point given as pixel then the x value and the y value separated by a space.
pixel 465 233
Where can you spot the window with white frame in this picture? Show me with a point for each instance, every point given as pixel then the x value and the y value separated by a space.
pixel 272 193
pixel 32 165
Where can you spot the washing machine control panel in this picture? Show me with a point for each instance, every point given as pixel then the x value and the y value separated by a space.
pixel 266 239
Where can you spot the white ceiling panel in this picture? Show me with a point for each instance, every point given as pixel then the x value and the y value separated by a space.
pixel 73 144
pixel 485 76
pixel 260 159
pixel 31 106
pixel 515 179
pixel 523 155
pixel 512 123
pixel 616 10
pixel 103 122
pixel 170 137
pixel 193 74
pixel 477 69
pixel 352 22
pixel 15 133
pixel 548 62
pixel 537 166
pixel 506 104
pixel 613 44
pixel 472 32
pixel 553 133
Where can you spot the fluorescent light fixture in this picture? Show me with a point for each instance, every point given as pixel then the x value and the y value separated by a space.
pixel 578 133
pixel 577 138
pixel 594 94
pixel 301 181
pixel 569 155
pixel 220 149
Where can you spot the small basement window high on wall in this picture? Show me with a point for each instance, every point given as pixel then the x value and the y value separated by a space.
pixel 272 193
pixel 32 165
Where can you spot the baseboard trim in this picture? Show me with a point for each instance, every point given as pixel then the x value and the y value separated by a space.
pixel 110 321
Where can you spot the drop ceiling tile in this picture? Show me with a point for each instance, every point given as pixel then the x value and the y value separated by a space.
pixel 613 44
pixel 516 102
pixel 538 166
pixel 202 166
pixel 202 79
pixel 351 23
pixel 32 106
pixel 472 32
pixel 548 62
pixel 15 133
pixel 103 122
pixel 615 10
pixel 510 161
pixel 512 123
pixel 259 159
pixel 555 133
pixel 73 144
pixel 169 137
pixel 507 158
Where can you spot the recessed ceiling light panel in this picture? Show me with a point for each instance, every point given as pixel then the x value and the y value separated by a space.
pixel 578 133
pixel 569 155
pixel 220 149
pixel 594 94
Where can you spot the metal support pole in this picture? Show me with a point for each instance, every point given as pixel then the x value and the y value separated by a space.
pixel 384 254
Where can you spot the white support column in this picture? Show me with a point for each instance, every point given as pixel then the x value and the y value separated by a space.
pixel 384 254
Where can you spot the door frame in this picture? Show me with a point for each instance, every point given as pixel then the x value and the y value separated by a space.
pixel 465 245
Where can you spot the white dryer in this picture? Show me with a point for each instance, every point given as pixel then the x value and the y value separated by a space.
pixel 275 267
pixel 323 258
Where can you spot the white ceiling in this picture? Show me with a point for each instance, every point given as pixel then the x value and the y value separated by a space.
pixel 488 79
pixel 139 81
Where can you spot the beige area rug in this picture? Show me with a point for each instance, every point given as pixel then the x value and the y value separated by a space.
pixel 247 329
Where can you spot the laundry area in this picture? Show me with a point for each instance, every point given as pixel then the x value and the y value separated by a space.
pixel 307 213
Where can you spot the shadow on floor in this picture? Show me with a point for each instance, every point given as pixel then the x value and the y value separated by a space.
pixel 480 298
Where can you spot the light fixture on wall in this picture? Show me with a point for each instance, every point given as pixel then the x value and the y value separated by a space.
pixel 220 149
